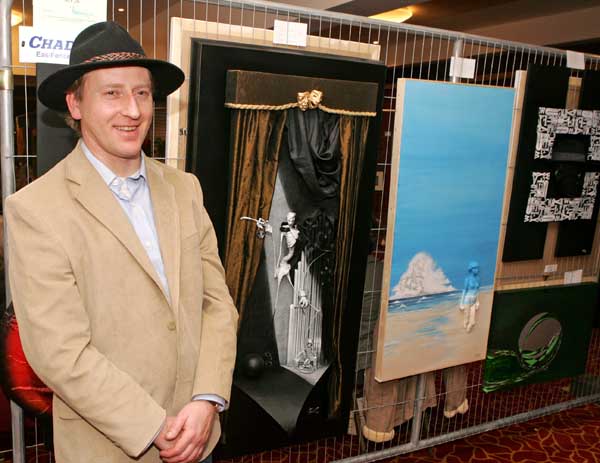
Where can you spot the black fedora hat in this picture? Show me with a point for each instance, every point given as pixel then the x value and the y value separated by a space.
pixel 105 45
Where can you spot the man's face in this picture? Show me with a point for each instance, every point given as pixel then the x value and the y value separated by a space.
pixel 115 110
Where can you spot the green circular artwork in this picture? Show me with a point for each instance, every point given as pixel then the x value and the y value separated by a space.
pixel 539 342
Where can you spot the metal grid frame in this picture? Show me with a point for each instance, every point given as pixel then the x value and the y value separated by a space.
pixel 409 51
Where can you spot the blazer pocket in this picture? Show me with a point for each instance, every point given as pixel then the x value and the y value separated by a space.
pixel 190 242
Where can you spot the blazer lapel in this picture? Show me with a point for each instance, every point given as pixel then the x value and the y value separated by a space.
pixel 93 194
pixel 166 219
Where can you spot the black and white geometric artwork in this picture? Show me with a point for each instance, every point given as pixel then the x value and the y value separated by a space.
pixel 555 121
pixel 556 165
pixel 540 208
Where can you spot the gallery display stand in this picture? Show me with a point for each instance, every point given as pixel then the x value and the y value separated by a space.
pixel 387 405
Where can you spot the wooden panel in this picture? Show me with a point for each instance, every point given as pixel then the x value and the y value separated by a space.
pixel 266 89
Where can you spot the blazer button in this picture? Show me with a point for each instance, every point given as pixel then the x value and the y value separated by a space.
pixel 171 325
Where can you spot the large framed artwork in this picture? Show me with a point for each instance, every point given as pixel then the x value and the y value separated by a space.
pixel 539 334
pixel 557 167
pixel 447 185
pixel 534 251
pixel 284 145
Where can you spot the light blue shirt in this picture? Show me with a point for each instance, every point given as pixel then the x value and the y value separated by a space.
pixel 133 195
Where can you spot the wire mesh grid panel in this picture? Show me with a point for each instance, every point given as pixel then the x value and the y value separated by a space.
pixel 416 407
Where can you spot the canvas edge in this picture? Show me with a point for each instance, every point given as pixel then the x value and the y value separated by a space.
pixel 389 235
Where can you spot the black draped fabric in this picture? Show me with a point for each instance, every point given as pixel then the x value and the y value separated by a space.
pixel 314 147
pixel 315 151
pixel 328 152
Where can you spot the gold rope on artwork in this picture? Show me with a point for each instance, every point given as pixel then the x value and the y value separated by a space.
pixel 305 101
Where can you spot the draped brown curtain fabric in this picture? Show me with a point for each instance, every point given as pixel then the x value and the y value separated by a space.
pixel 353 140
pixel 256 137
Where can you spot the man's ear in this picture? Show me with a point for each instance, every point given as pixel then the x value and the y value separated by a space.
pixel 73 105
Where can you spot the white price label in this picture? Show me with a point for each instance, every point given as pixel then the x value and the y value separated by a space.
pixel 289 33
pixel 575 60
pixel 462 67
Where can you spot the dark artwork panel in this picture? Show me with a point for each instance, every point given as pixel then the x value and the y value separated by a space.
pixel 285 396
pixel 576 238
pixel 545 87
pixel 539 334
pixel 207 153
pixel 556 172
pixel 54 138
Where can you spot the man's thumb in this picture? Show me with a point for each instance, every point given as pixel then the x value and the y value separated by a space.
pixel 175 427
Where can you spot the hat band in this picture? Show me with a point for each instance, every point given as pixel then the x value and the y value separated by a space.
pixel 119 56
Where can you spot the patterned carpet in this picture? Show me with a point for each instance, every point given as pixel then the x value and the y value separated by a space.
pixel 572 436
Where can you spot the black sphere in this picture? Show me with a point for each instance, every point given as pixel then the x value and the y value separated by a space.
pixel 253 365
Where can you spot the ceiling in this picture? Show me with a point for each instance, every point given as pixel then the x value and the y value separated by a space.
pixel 460 15
pixel 488 17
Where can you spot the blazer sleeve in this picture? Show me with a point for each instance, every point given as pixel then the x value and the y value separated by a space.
pixel 216 360
pixel 55 333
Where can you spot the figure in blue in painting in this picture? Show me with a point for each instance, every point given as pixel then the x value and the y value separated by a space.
pixel 469 302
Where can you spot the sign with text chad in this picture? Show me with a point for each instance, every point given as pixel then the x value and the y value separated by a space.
pixel 45 46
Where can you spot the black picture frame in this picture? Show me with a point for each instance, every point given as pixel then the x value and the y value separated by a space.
pixel 207 156
pixel 546 86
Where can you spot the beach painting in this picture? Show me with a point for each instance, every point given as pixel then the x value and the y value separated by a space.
pixel 451 144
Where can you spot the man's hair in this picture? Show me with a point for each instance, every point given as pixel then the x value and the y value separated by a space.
pixel 76 89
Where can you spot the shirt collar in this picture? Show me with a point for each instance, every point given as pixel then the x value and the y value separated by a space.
pixel 108 175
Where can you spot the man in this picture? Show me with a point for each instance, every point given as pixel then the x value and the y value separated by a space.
pixel 117 285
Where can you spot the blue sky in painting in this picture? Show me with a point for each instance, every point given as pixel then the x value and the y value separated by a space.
pixel 451 178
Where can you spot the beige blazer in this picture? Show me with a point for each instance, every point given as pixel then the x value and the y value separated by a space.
pixel 95 323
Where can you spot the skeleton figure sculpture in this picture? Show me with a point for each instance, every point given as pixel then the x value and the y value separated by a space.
pixel 289 234
pixel 304 330
pixel 301 267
